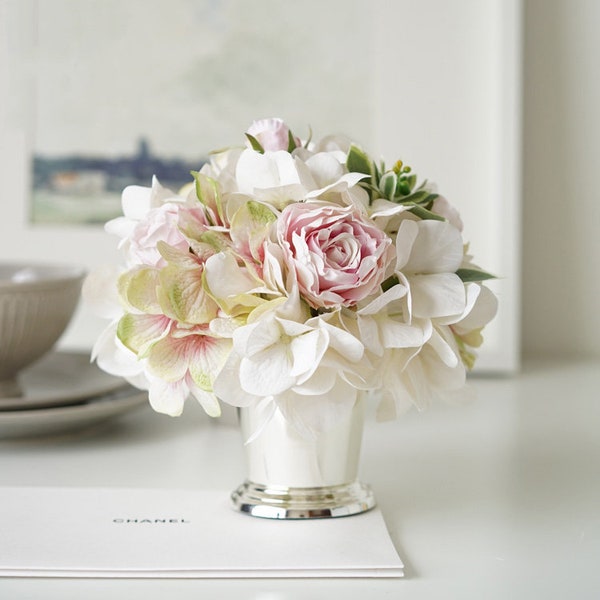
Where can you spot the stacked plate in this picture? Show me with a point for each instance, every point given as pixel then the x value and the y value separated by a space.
pixel 65 392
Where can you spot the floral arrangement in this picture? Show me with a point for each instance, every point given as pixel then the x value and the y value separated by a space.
pixel 296 274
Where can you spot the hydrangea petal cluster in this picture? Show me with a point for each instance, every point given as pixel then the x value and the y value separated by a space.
pixel 296 274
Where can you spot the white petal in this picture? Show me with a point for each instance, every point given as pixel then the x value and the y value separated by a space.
pixel 122 227
pixel 400 335
pixel 168 398
pixel 207 400
pixel 307 351
pixel 385 208
pixel 99 292
pixel 113 357
pixel 321 381
pixel 264 171
pixel 325 169
pixel 344 342
pixel 256 337
pixel 227 384
pixel 437 295
pixel 225 278
pixel 405 240
pixel 395 402
pixel 437 249
pixel 310 415
pixel 443 349
pixel 348 180
pixel 482 311
pixel 394 293
pixel 268 372
pixel 136 201
pixel 439 377
pixel 370 334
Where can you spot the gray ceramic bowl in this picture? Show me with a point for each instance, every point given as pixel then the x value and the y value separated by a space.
pixel 37 302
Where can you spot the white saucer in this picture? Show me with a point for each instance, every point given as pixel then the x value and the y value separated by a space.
pixel 58 379
pixel 62 419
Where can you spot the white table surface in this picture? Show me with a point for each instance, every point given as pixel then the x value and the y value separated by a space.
pixel 496 499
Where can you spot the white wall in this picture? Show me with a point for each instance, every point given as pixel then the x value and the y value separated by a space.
pixel 561 178
pixel 561 208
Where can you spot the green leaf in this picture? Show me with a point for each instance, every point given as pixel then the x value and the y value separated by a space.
pixel 469 275
pixel 425 214
pixel 309 138
pixel 390 282
pixel 358 161
pixel 387 185
pixel 402 189
pixel 422 197
pixel 291 142
pixel 411 180
pixel 255 144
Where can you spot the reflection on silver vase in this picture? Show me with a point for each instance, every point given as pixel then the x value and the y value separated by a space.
pixel 292 476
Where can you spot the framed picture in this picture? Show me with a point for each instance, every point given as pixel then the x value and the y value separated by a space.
pixel 95 96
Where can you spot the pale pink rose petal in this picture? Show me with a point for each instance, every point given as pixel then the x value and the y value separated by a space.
pixel 338 256
pixel 271 134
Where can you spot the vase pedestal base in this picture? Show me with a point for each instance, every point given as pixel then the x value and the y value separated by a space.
pixel 278 502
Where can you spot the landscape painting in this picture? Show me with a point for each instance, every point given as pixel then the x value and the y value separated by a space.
pixel 125 91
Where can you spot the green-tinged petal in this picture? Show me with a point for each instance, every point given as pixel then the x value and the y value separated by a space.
pixel 140 332
pixel 217 241
pixel 224 327
pixel 267 306
pixel 250 227
pixel 175 256
pixel 207 190
pixel 168 359
pixel 232 286
pixel 138 290
pixel 207 357
pixel 183 296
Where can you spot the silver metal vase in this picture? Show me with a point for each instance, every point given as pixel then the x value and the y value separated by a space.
pixel 292 476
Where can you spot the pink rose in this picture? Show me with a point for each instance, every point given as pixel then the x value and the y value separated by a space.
pixel 161 224
pixel 272 134
pixel 339 257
